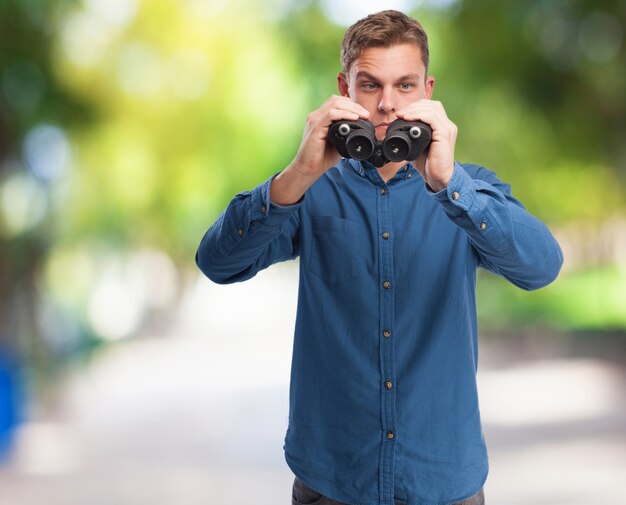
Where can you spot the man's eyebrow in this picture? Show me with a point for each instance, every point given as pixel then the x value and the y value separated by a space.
pixel 408 77
pixel 366 75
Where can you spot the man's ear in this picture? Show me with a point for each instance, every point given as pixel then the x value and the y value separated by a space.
pixel 342 83
pixel 430 84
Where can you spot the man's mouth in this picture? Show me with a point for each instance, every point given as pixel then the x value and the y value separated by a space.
pixel 381 125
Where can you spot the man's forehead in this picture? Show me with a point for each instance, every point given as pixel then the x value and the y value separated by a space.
pixel 402 59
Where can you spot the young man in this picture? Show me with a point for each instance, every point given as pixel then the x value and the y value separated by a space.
pixel 383 399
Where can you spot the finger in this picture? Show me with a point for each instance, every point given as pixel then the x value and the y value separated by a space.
pixel 426 115
pixel 417 113
pixel 338 114
pixel 414 110
pixel 345 103
pixel 443 128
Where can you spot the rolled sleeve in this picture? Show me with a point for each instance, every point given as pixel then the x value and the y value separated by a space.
pixel 249 235
pixel 250 212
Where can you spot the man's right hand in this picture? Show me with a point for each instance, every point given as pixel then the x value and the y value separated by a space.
pixel 316 153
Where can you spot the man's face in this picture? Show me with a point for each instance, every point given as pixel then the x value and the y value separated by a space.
pixel 384 80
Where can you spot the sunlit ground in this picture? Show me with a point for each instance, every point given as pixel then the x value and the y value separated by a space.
pixel 196 412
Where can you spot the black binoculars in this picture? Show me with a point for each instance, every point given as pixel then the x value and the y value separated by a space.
pixel 405 140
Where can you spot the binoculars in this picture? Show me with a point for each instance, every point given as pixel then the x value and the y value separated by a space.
pixel 405 140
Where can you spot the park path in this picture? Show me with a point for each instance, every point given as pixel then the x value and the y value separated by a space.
pixel 195 413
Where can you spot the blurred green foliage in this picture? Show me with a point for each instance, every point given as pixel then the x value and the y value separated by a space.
pixel 127 126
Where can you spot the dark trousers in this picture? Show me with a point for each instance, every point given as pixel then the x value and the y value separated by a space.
pixel 303 495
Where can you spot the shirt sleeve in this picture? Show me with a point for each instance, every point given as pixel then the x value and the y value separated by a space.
pixel 508 239
pixel 250 235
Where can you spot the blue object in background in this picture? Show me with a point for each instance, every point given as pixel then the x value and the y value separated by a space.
pixel 10 400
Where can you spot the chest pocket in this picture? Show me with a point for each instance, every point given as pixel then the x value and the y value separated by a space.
pixel 333 249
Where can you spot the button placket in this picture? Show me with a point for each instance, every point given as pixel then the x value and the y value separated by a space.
pixel 386 345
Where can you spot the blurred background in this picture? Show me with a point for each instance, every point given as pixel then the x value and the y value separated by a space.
pixel 126 126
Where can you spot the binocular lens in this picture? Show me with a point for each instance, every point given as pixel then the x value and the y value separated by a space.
pixel 359 146
pixel 397 147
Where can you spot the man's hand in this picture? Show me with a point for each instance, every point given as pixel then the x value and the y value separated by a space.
pixel 437 165
pixel 316 153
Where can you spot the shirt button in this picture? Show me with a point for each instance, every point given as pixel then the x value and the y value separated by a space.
pixel 383 191
pixel 388 385
pixel 264 209
pixel 386 235
pixel 483 226
pixel 410 175
pixel 240 231
pixel 386 284
pixel 455 195
pixel 390 435
pixel 386 333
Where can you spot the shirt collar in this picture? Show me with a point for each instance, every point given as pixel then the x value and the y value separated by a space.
pixel 365 169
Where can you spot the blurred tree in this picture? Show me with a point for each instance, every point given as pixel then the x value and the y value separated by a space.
pixel 29 97
pixel 194 100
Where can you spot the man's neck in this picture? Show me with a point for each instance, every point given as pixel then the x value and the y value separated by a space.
pixel 388 170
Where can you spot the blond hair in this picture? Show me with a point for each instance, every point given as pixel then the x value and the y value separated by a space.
pixel 383 29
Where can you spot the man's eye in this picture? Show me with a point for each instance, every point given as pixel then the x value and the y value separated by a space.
pixel 369 85
pixel 407 85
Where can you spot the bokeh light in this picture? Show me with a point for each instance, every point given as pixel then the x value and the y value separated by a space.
pixel 47 152
pixel 23 203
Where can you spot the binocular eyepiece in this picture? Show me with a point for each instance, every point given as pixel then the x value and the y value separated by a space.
pixel 405 140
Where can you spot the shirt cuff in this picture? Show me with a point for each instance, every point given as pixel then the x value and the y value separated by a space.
pixel 460 193
pixel 263 208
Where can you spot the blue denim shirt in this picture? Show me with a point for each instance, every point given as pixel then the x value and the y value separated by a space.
pixel 383 397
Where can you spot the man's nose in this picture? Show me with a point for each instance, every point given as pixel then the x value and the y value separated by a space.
pixel 387 101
